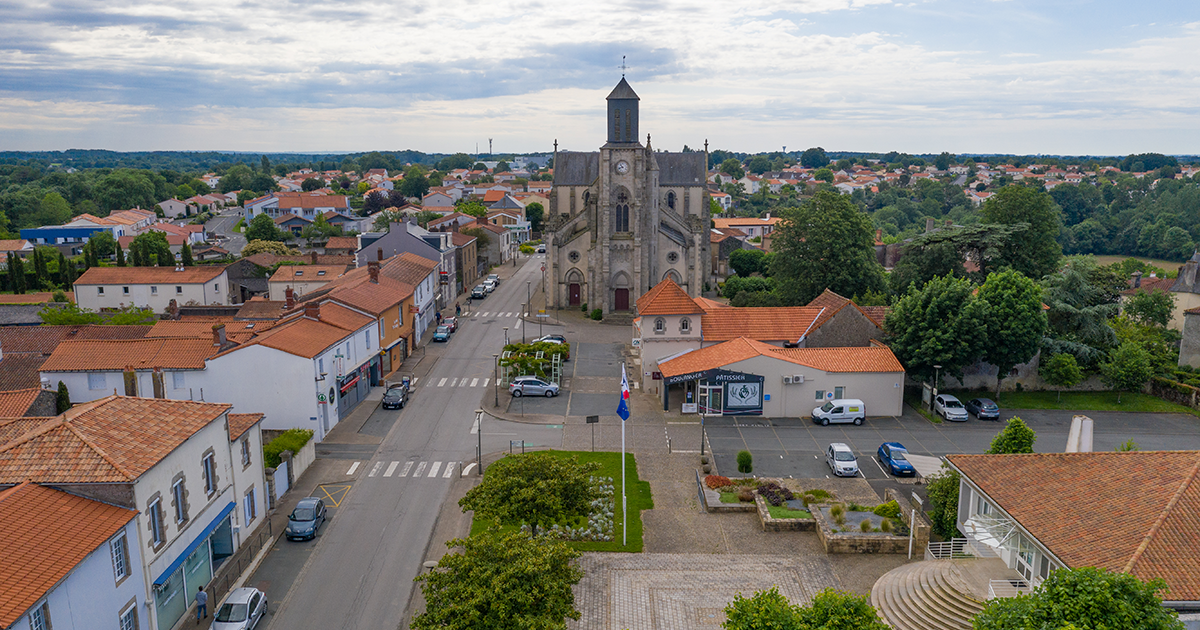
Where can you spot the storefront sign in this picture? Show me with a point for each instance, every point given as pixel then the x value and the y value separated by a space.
pixel 689 407
pixel 348 382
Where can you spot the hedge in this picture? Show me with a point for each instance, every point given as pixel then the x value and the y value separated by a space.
pixel 291 440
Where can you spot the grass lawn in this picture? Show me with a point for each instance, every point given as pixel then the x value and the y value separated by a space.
pixel 1165 265
pixel 1082 401
pixel 240 226
pixel 782 511
pixel 729 497
pixel 637 494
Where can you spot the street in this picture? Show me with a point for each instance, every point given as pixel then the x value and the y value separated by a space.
pixel 360 572
pixel 222 224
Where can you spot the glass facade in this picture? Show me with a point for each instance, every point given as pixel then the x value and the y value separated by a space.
pixel 172 598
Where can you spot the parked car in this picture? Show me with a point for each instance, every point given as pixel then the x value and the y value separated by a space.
pixel 305 519
pixel 493 278
pixel 894 458
pixel 541 249
pixel 949 408
pixel 841 460
pixel 983 408
pixel 242 610
pixel 479 292
pixel 559 339
pixel 489 286
pixel 532 386
pixel 395 397
pixel 442 333
pixel 840 410
pixel 451 323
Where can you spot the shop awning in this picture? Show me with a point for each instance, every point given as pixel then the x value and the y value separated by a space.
pixel 200 538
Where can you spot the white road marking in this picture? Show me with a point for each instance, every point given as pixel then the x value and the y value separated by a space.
pixel 885 473
pixel 407 467
pixel 484 314
pixel 474 382
pixel 449 470
pixel 353 467
pixel 453 381
pixel 506 315
pixel 518 324
pixel 433 470
pixel 467 469
pixel 475 426
pixel 442 382
pixel 420 469
pixel 462 383
pixel 415 379
pixel 485 381
pixel 375 469
pixel 391 469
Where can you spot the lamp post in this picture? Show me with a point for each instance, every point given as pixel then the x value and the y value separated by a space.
pixel 523 327
pixel 936 371
pixel 496 377
pixel 479 435
pixel 506 335
pixel 528 305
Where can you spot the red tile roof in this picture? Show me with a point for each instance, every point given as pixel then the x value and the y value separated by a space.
pixel 240 423
pixel 141 354
pixel 31 298
pixel 870 359
pixel 1136 512
pixel 14 404
pixel 1150 284
pixel 13 428
pixel 342 242
pixel 667 298
pixel 47 533
pixel 111 440
pixel 783 323
pixel 43 339
pixel 149 275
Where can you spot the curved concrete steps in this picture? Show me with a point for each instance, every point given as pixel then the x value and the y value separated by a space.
pixel 928 595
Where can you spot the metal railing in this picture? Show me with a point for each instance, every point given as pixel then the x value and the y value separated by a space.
pixel 1007 588
pixel 957 548
pixel 237 564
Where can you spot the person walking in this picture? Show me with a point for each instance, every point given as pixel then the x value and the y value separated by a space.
pixel 201 604
pixel 457 310
pixel 438 315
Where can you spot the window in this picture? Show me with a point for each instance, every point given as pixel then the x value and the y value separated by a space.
pixel 125 290
pixel 671 200
pixel 154 513
pixel 299 272
pixel 685 325
pixel 39 619
pixel 367 336
pixel 660 325
pixel 153 290
pixel 210 474
pixel 119 547
pixel 99 290
pixel 839 392
pixel 820 394
pixel 178 380
pixel 321 365
pixel 617 125
pixel 96 380
pixel 245 452
pixel 178 290
pixel 621 213
pixel 248 506
pixel 216 286
pixel 628 128
pixel 177 492
pixel 128 618
pixel 672 257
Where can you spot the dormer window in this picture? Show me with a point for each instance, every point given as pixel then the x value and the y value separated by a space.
pixel 660 325
pixel 320 273
pixel 299 272
pixel 685 325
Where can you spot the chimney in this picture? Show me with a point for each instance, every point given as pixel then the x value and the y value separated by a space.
pixel 768 216
pixel 373 270
pixel 160 390
pixel 290 298
pixel 173 309
pixel 219 339
pixel 313 257
pixel 1153 274
pixel 312 310
pixel 1137 279
pixel 130 381
pixel 929 223
pixel 379 253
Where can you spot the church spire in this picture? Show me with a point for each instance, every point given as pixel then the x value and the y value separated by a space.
pixel 623 114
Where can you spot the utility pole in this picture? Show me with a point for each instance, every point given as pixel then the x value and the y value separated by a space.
pixel 479 436
pixel 496 378
pixel 489 146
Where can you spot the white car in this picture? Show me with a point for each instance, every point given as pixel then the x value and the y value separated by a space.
pixel 841 460
pixel 242 610
pixel 949 408
pixel 489 285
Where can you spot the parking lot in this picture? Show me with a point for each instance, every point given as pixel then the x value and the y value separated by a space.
pixel 794 447
pixel 590 382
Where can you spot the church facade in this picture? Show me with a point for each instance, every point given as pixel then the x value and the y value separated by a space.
pixel 625 217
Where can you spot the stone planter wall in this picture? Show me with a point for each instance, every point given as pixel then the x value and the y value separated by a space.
pixel 711 499
pixel 922 527
pixel 854 542
pixel 770 524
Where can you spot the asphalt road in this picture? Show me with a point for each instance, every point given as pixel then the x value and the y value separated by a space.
pixel 223 224
pixel 360 572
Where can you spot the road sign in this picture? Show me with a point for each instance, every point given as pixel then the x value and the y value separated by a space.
pixel 543 267
pixel 322 399
pixel 593 419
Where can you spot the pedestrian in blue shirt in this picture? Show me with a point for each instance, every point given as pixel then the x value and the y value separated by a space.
pixel 201 605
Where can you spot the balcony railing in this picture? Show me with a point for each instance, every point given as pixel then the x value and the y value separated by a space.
pixel 958 548
pixel 1007 588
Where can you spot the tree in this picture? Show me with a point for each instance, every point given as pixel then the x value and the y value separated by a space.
pixel 1061 370
pixel 941 324
pixel 473 208
pixel 373 202
pixel 66 272
pixel 830 610
pixel 385 219
pixel 747 261
pixel 236 178
pixel 54 210
pixel 534 213
pixel 482 238
pixel 509 581
pixel 120 255
pixel 1016 321
pixel 70 314
pixel 501 167
pixel 62 400
pixel 824 175
pixel 41 274
pixel 765 610
pixel 123 189
pixel 262 228
pixel 153 249
pixel 1150 308
pixel 16 274
pixel 945 251
pixel 1015 437
pixel 1037 252
pixel 1129 366
pixel 452 162
pixel 733 168
pixel 414 183
pixel 131 316
pixel 1083 298
pixel 103 243
pixel 534 489
pixel 942 490
pixel 269 247
pixel 265 164
pixel 827 243
pixel 759 164
pixel 1086 597
pixel 312 183
pixel 185 255
pixel 814 158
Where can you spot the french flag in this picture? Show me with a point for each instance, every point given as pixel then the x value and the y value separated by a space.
pixel 623 408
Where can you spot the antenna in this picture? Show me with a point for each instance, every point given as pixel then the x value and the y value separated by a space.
pixel 489 146
pixel 623 66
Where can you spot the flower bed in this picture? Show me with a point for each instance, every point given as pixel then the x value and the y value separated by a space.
pixel 599 525
pixel 841 529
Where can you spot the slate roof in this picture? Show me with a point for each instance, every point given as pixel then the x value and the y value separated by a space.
pixel 575 168
pixel 111 440
pixel 47 533
pixel 409 268
pixel 681 169
pixel 622 91
pixel 1136 512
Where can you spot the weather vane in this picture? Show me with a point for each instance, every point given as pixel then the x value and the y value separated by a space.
pixel 623 66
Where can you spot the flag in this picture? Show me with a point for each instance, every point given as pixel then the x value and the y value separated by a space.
pixel 623 407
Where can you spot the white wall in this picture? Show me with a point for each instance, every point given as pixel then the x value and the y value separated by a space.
pixel 881 392
pixel 245 477
pixel 89 597
pixel 155 296
pixel 77 384
pixel 258 379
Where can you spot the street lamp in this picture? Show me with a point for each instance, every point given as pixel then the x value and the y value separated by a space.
pixel 528 304
pixel 496 378
pixel 479 435
pixel 936 370
pixel 523 327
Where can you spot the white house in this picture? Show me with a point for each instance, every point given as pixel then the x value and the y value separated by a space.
pixel 301 204
pixel 153 287
pixel 173 208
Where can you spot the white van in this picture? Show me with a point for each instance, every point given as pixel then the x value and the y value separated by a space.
pixel 840 410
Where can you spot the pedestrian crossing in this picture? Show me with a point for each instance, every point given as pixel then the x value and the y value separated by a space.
pixel 402 470
pixel 516 314
pixel 448 381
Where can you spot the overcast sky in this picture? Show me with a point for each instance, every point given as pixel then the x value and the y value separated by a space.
pixel 1020 76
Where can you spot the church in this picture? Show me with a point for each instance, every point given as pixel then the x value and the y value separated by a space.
pixel 625 217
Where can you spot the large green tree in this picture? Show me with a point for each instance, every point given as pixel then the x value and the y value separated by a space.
pixel 1016 321
pixel 414 183
pixel 500 581
pixel 534 213
pixel 1082 298
pixel 1061 370
pixel 123 189
pixel 1037 252
pixel 746 262
pixel 827 243
pixel 946 251
pixel 1127 369
pixel 534 489
pixel 830 610
pixel 1082 598
pixel 54 210
pixel 733 168
pixel 262 228
pixel 153 249
pixel 943 324
pixel 1151 308
pixel 103 243
pixel 814 158
pixel 942 490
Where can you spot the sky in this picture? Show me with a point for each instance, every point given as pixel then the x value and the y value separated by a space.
pixel 1069 77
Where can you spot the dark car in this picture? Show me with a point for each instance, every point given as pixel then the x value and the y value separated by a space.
pixel 894 458
pixel 983 408
pixel 395 398
pixel 306 519
pixel 479 292
pixel 442 333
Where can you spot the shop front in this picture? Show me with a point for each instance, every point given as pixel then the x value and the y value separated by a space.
pixel 192 568
pixel 354 387
pixel 719 392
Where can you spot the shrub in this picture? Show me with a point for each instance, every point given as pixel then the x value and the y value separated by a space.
pixel 583 307
pixel 891 509
pixel 865 525
pixel 816 495
pixel 775 494
pixel 717 481
pixel 291 440
pixel 597 314
pixel 854 507
pixel 745 462
pixel 745 495
pixel 837 511
pixel 886 525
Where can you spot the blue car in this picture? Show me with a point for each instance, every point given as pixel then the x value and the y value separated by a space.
pixel 894 458
pixel 442 333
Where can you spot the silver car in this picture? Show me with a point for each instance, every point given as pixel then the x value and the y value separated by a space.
pixel 949 408
pixel 532 386
pixel 242 610
pixel 841 460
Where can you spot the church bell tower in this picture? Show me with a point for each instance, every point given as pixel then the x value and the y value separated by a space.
pixel 623 114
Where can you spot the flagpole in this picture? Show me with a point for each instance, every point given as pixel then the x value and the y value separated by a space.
pixel 624 509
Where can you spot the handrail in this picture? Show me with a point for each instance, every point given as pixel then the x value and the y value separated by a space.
pixel 957 548
pixel 1007 588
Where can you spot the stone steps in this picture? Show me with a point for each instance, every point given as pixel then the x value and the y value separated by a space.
pixel 928 595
